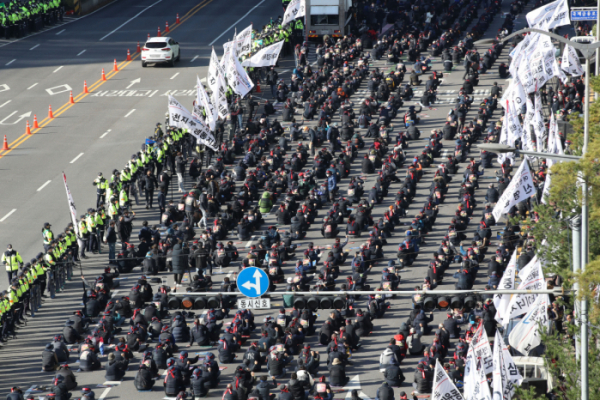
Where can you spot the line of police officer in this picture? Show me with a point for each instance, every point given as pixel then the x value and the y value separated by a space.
pixel 19 17
pixel 29 281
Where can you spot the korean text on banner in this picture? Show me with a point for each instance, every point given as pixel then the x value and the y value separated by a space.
pixel 265 57
pixel 180 117
pixel 296 9
pixel 520 188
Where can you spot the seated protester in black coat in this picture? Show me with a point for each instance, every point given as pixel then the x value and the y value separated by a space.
pixel 337 373
pixel 49 359
pixel 367 166
pixel 393 375
pixel 199 334
pixel 70 334
pixel 199 384
pixel 60 390
pixel 115 369
pixel 269 109
pixel 144 379
pixel 226 351
pixel 287 113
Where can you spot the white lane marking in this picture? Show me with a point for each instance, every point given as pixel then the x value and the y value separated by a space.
pixel 153 93
pixel 8 215
pixel 10 62
pixel 250 241
pixel 236 22
pixel 5 103
pixel 57 69
pixel 104 394
pixel 32 86
pixel 130 112
pixel 81 52
pixel 175 76
pixel 43 186
pixel 105 133
pixel 34 47
pixel 76 158
pixel 194 59
pixel 129 20
pixel 58 33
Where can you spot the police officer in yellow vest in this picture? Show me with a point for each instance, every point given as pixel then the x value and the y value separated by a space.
pixel 47 235
pixel 12 260
pixel 84 235
pixel 92 223
pixel 101 186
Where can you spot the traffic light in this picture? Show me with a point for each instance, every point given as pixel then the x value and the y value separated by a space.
pixel 319 302
pixel 196 302
pixel 441 302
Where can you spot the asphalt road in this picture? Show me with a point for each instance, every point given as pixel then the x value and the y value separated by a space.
pixel 49 65
pixel 78 130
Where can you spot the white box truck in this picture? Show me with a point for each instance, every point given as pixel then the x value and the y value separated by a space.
pixel 327 17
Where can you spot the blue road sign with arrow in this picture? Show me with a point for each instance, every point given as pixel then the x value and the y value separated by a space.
pixel 253 282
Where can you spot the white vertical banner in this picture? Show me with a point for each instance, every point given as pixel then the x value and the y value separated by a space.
pixel 570 61
pixel 443 387
pixel 217 85
pixel 525 336
pixel 519 189
pixel 180 117
pixel 243 41
pixel 507 282
pixel 532 278
pixel 295 9
pixel 202 100
pixel 237 78
pixel 72 209
pixel 550 15
pixel 506 375
pixel 539 127
pixel 478 383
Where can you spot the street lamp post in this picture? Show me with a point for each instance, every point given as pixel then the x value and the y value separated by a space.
pixel 588 50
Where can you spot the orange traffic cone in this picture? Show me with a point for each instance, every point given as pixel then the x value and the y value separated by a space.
pixel 115 68
pixel 35 123
pixel 139 50
pixel 158 31
pixel 27 129
pixel 258 87
pixel 167 27
pixel 50 115
pixel 177 20
pixel 85 89
pixel 71 101
pixel 148 36
pixel 103 75
pixel 5 147
pixel 128 55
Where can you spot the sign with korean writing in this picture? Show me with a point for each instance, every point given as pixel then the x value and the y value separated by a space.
pixel 443 387
pixel 237 78
pixel 578 14
pixel 180 117
pixel 525 336
pixel 550 15
pixel 505 375
pixel 532 278
pixel 216 83
pixel 265 57
pixel 507 282
pixel 520 188
pixel 253 304
pixel 296 9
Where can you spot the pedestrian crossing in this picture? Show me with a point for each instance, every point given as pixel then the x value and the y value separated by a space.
pixel 66 20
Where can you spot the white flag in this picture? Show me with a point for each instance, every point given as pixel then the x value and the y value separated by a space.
pixel 265 57
pixel 525 336
pixel 570 61
pixel 538 123
pixel 507 282
pixel 295 9
pixel 478 382
pixel 520 188
pixel 550 16
pixel 532 278
pixel 243 41
pixel 506 375
pixel 237 78
pixel 202 100
pixel 443 387
pixel 180 117
pixel 479 356
pixel 72 208
pixel 217 85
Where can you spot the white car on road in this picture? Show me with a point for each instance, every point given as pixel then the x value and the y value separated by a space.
pixel 160 50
